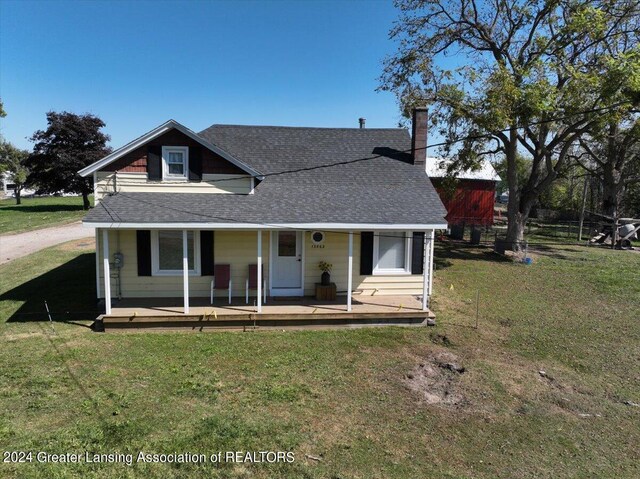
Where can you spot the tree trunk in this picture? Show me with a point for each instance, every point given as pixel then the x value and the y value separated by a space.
pixel 518 214
pixel 515 229
pixel 86 204
pixel 612 187
pixel 17 192
pixel 515 220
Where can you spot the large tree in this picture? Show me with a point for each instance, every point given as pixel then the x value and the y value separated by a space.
pixel 513 77
pixel 612 155
pixel 12 164
pixel 69 143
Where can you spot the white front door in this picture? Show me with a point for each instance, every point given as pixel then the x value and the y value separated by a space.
pixel 286 263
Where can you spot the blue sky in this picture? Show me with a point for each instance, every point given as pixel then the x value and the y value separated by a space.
pixel 137 64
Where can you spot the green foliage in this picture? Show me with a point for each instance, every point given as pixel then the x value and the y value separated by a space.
pixel 523 169
pixel 69 143
pixel 516 78
pixel 13 163
pixel 325 267
pixel 631 205
pixel 612 155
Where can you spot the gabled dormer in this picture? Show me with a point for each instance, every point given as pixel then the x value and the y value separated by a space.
pixel 172 159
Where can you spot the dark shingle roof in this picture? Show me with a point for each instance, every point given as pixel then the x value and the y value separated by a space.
pixel 375 184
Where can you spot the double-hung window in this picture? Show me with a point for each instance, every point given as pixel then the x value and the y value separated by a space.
pixel 167 252
pixel 391 252
pixel 175 162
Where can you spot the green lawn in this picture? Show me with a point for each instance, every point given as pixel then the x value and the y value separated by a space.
pixel 35 213
pixel 340 396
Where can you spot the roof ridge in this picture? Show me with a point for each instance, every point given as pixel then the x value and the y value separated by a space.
pixel 303 127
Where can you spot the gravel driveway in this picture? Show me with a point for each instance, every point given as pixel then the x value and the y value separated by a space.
pixel 14 246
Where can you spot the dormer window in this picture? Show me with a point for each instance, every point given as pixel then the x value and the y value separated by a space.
pixel 175 162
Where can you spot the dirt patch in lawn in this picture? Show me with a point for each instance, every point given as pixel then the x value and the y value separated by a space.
pixel 436 380
pixel 79 245
pixel 19 336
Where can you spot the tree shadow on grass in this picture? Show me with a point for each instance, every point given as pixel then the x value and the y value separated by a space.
pixel 448 250
pixel 26 208
pixel 558 252
pixel 69 291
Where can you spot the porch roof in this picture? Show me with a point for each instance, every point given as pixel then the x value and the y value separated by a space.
pixel 319 208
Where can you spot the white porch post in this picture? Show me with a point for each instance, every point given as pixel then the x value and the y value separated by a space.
pixel 433 238
pixel 350 271
pixel 185 270
pixel 426 271
pixel 259 272
pixel 107 272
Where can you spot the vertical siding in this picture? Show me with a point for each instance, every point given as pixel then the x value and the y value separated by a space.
pixel 472 202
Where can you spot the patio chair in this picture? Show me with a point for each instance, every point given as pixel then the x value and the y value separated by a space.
pixel 221 279
pixel 252 283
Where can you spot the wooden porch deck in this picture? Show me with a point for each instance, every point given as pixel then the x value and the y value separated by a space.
pixel 166 313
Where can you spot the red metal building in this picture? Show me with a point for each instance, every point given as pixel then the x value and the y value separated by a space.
pixel 473 199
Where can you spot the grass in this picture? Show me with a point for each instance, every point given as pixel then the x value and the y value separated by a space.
pixel 35 213
pixel 338 395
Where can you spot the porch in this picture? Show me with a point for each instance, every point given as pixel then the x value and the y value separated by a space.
pixel 280 313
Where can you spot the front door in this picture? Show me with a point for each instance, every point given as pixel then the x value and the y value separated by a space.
pixel 286 265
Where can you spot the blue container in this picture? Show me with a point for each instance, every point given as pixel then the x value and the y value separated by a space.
pixel 528 261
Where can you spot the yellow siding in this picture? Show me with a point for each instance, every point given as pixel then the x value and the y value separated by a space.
pixel 137 182
pixel 239 249
pixel 336 251
pixel 234 247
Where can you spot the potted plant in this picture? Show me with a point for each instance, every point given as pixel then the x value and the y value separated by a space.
pixel 325 278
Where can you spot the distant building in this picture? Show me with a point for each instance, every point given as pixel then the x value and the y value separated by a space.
pixel 5 183
pixel 474 197
pixel 7 187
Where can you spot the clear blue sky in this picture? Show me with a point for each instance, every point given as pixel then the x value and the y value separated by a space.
pixel 137 64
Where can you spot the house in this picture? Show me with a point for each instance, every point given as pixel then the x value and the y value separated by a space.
pixel 472 199
pixel 193 219
pixel 7 186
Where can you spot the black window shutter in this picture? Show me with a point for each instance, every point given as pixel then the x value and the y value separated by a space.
pixel 417 253
pixel 206 253
pixel 195 163
pixel 366 252
pixel 154 162
pixel 143 246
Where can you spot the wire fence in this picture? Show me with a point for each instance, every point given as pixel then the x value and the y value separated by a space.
pixel 536 231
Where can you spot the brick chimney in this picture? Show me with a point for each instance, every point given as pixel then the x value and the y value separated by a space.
pixel 419 136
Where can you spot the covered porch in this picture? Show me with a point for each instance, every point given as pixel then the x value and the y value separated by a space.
pixel 271 276
pixel 279 313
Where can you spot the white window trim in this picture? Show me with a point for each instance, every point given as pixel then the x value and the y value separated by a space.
pixel 165 166
pixel 407 255
pixel 155 259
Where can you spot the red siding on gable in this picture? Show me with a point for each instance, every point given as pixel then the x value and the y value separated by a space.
pixel 136 161
pixel 472 202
